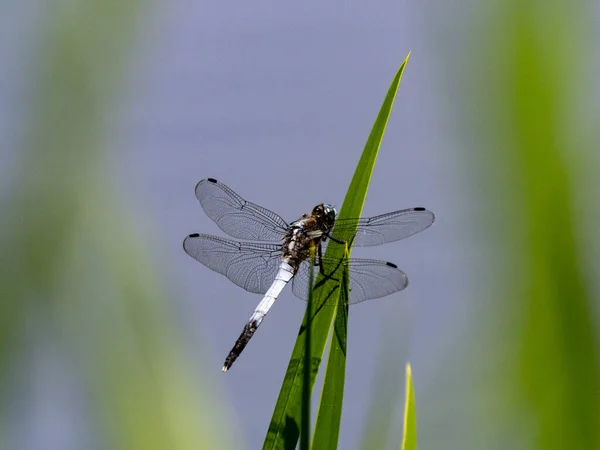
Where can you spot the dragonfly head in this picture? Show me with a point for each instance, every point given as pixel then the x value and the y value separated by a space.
pixel 326 214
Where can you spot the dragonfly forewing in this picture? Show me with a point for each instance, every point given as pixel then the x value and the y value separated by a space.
pixel 377 230
pixel 237 217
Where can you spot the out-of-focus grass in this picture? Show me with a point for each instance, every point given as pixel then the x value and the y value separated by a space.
pixel 524 371
pixel 70 254
pixel 528 75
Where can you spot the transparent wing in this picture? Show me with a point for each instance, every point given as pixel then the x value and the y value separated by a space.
pixel 250 266
pixel 369 278
pixel 389 227
pixel 237 217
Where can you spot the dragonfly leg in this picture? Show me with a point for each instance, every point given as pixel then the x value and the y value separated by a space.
pixel 321 268
pixel 336 240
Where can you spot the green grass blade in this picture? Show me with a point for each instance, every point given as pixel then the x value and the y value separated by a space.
pixel 285 424
pixel 409 441
pixel 306 388
pixel 329 417
pixel 357 192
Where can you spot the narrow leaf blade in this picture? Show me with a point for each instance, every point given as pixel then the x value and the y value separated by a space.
pixel 306 386
pixel 284 429
pixel 409 442
pixel 327 428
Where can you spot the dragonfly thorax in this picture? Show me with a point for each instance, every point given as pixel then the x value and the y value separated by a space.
pixel 309 230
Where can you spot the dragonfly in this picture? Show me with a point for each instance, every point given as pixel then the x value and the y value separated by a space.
pixel 274 252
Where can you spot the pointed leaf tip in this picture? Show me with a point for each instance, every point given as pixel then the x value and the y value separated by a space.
pixel 409 441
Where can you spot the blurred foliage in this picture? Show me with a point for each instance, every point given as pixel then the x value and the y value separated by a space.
pixel 525 373
pixel 528 72
pixel 70 255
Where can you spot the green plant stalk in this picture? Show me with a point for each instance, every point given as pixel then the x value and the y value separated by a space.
pixel 409 441
pixel 284 428
pixel 306 390
pixel 327 427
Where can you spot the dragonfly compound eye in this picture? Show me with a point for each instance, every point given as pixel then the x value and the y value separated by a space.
pixel 330 211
